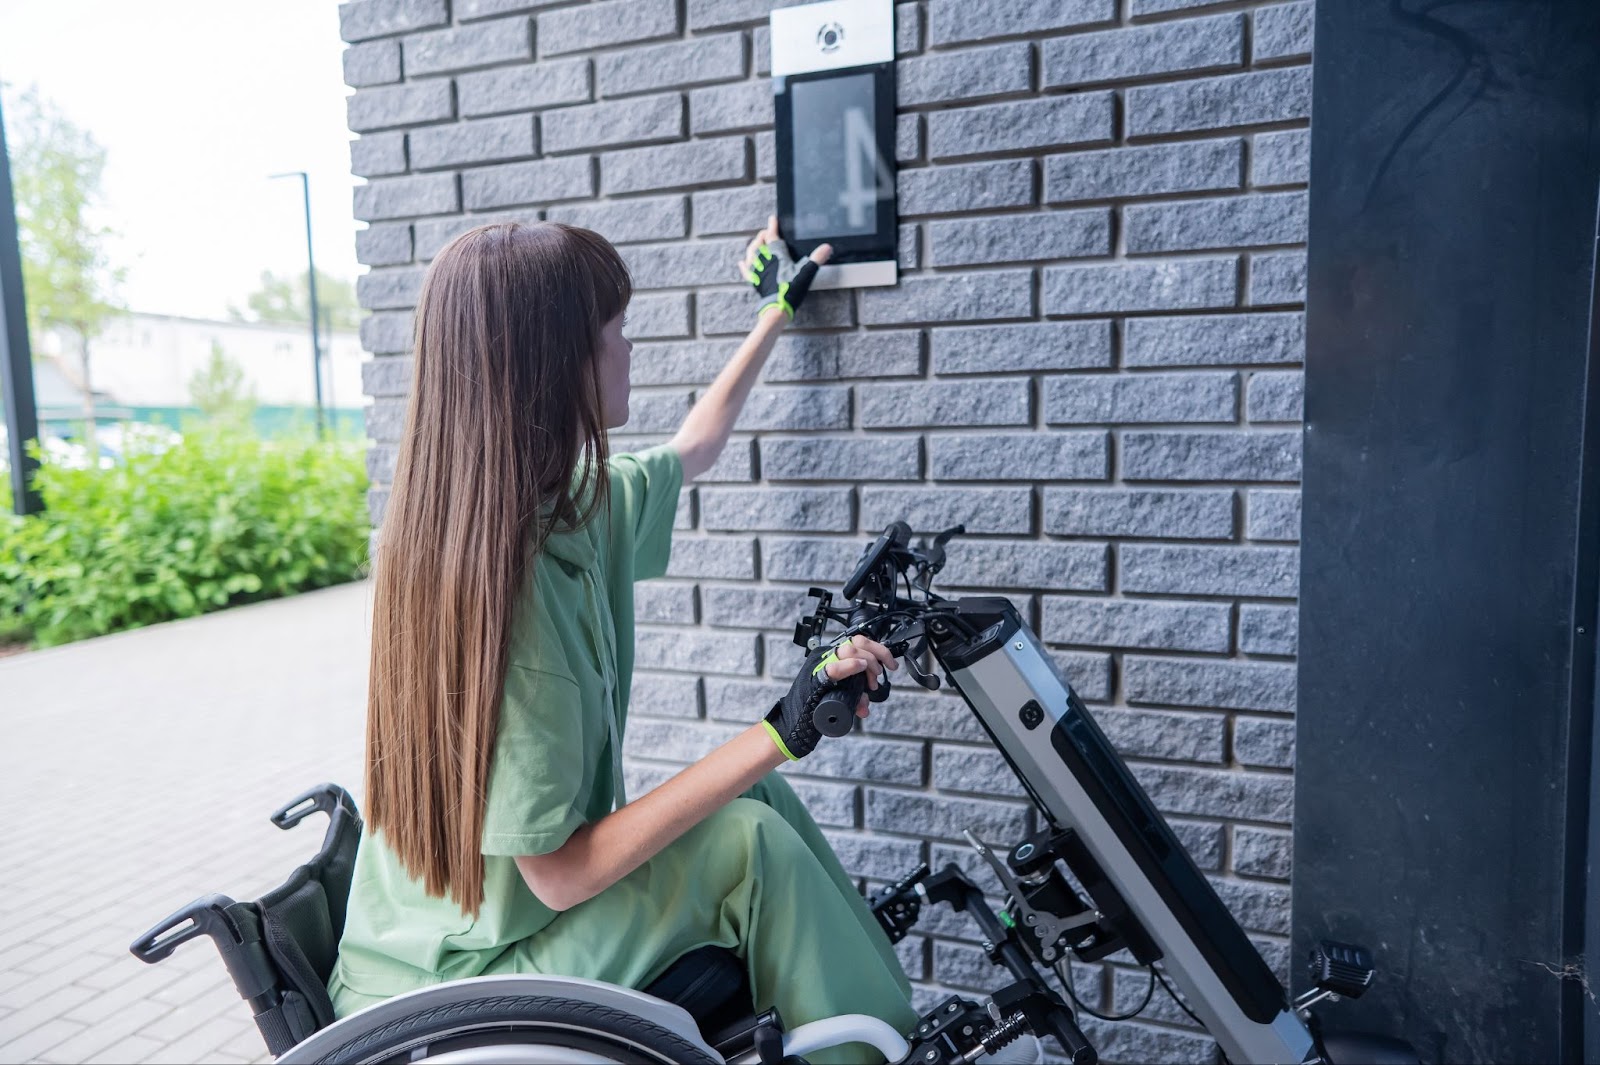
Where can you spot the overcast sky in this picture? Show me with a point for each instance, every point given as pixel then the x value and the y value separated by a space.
pixel 196 102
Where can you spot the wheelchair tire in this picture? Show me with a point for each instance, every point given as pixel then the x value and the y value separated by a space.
pixel 503 1022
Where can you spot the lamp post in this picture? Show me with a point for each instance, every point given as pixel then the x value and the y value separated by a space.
pixel 311 285
pixel 16 362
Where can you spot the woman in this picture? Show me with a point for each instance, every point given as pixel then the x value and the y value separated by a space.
pixel 499 838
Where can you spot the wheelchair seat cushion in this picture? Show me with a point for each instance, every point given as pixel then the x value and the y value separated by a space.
pixel 711 985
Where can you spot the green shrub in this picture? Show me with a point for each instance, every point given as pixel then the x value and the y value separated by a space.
pixel 219 519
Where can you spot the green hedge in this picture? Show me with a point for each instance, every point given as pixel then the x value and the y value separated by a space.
pixel 221 518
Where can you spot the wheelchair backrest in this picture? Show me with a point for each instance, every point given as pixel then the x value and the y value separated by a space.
pixel 281 948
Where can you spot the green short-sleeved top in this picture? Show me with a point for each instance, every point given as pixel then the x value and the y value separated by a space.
pixel 557 757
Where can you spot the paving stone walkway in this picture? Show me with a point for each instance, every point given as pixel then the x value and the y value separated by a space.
pixel 137 772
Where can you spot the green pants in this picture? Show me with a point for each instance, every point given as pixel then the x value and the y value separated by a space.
pixel 757 877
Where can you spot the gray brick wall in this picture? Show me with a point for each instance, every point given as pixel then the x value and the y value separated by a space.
pixel 1093 359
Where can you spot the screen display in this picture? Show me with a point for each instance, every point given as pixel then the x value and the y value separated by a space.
pixel 839 177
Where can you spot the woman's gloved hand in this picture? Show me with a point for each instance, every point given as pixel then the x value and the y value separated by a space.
pixel 827 669
pixel 779 281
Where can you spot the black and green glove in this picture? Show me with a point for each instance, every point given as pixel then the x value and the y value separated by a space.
pixel 778 280
pixel 817 705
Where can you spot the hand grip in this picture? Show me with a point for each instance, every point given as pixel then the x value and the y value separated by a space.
pixel 836 711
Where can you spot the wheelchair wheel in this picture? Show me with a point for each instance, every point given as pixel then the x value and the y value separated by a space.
pixel 498 1021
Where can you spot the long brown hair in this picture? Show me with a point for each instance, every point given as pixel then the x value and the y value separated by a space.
pixel 504 440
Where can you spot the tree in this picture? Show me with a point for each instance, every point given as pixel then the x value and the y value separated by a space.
pixel 286 298
pixel 67 275
pixel 220 391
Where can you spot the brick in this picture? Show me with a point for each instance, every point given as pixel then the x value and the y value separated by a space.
pixel 939 817
pixel 380 18
pixel 724 558
pixel 1215 340
pixel 373 63
pixel 1124 287
pixel 1216 103
pixel 970 187
pixel 660 314
pixel 430 236
pixel 1211 456
pixel 692 362
pixel 777 509
pixel 664 695
pixel 1046 122
pixel 384 377
pixel 1130 399
pixel 1178 514
pixel 385 419
pixel 795 407
pixel 1135 1042
pixel 1202 839
pixel 736 464
pixel 1276 396
pixel 683 650
pixel 882 857
pixel 1127 992
pixel 956 21
pixel 680 263
pixel 1264 852
pixel 673 166
pixel 781 656
pixel 467 10
pixel 1268 630
pixel 406 197
pixel 1259 742
pixel 809 560
pixel 1028 456
pixel 671 66
pixel 1154 170
pixel 732 311
pixel 399 105
pixel 378 154
pixel 752 608
pixel 908 138
pixel 766 148
pixel 1281 158
pixel 714 14
pixel 1258 907
pixel 1278 277
pixel 1219 793
pixel 885 458
pixel 1166 48
pixel 484 44
pixel 638 120
pixel 974 769
pixel 970 74
pixel 740 700
pixel 828 804
pixel 386 334
pixel 1097 622
pixel 489 140
pixel 859 758
pixel 1268 572
pixel 392 289
pixel 1031 567
pixel 674 740
pixel 657 412
pixel 1176 736
pixel 908 246
pixel 1020 238
pixel 381 462
pixel 384 244
pixel 1003 348
pixel 744 105
pixel 737 210
pixel 628 221
pixel 1283 31
pixel 538 182
pixel 527 87
pixel 988 402
pixel 837 356
pixel 995 294
pixel 981 510
pixel 1201 682
pixel 1142 8
pixel 589 26
pixel 664 603
pixel 1253 220
pixel 919 714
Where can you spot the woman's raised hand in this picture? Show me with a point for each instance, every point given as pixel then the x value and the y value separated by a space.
pixel 790 719
pixel 778 280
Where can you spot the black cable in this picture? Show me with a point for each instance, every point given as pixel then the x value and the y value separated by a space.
pixel 1163 978
pixel 1065 979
